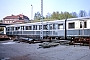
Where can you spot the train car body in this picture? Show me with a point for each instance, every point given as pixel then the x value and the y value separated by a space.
pixel 74 27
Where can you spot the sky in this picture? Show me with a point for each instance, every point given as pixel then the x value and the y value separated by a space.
pixel 15 7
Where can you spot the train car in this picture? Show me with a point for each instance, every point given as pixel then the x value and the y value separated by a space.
pixel 74 27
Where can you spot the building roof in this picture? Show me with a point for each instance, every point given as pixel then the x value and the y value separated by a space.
pixel 15 16
pixel 11 17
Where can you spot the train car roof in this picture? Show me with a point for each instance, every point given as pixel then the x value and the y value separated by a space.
pixel 54 21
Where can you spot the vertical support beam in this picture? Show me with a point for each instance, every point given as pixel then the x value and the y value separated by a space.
pixel 14 29
pixel 32 31
pixel 4 30
pixel 52 29
pixel 57 29
pixel 22 29
pixel 35 29
pixel 46 29
pixel 41 32
pixel 65 30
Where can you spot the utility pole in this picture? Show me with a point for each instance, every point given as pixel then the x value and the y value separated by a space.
pixel 31 12
pixel 83 27
pixel 41 32
pixel 65 30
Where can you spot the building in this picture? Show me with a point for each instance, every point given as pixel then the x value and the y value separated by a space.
pixel 13 19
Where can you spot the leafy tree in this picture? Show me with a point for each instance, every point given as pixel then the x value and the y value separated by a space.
pixel 65 15
pixel 55 15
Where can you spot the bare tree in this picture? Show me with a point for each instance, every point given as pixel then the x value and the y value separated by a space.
pixel 82 13
pixel 89 13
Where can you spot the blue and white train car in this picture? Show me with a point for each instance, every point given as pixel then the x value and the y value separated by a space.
pixel 74 27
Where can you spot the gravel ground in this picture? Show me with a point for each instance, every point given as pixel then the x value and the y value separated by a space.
pixel 25 51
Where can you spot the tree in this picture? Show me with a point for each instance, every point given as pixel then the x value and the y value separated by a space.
pixel 65 15
pixel 48 16
pixel 55 15
pixel 74 14
pixel 62 15
pixel 82 13
pixel 1 20
pixel 37 16
pixel 89 13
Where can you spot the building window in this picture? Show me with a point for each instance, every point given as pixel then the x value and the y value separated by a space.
pixel 71 25
pixel 8 21
pixel 60 26
pixel 5 21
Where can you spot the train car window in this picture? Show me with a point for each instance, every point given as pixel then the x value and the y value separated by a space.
pixel 7 29
pixel 17 28
pixel 34 27
pixel 26 27
pixel 30 27
pixel 45 27
pixel 40 27
pixel 54 26
pixel 80 24
pixel 85 24
pixel 51 27
pixel 22 27
pixel 12 28
pixel 60 26
pixel 71 25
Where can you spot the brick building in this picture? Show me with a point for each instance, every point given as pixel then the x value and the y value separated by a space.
pixel 13 19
